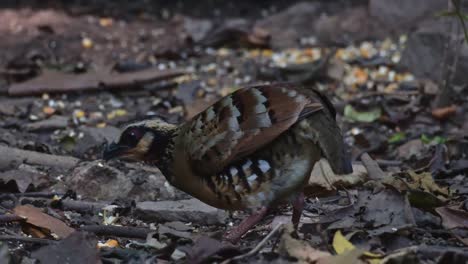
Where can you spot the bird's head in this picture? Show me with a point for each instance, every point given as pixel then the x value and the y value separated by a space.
pixel 142 141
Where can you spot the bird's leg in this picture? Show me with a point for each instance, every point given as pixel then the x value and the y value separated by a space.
pixel 298 206
pixel 235 234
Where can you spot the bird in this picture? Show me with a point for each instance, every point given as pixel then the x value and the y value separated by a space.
pixel 251 150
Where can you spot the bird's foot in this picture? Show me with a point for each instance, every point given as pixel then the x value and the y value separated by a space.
pixel 298 206
pixel 236 233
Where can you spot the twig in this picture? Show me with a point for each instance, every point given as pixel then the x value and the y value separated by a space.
pixel 373 169
pixel 38 194
pixel 387 163
pixel 58 82
pixel 118 231
pixel 10 156
pixel 7 218
pixel 256 248
pixel 27 240
pixel 78 206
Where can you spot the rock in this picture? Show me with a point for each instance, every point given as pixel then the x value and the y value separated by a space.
pixel 411 148
pixel 349 25
pixel 151 185
pixel 98 181
pixel 425 48
pixel 197 29
pixel 401 15
pixel 93 139
pixel 191 210
pixel 288 26
pixel 53 123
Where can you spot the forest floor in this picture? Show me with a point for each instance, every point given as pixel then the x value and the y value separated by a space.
pixel 71 76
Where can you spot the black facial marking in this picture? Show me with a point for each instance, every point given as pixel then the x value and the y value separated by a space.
pixel 243 178
pixel 257 170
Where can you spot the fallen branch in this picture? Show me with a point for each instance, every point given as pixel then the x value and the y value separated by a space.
pixel 118 231
pixel 9 156
pixel 38 194
pixel 27 240
pixel 78 206
pixel 58 82
pixel 373 169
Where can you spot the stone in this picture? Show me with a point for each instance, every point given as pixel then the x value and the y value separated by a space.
pixel 425 48
pixel 98 181
pixel 190 210
pixel 411 148
pixel 288 26
pixel 94 138
pixel 402 15
pixel 347 26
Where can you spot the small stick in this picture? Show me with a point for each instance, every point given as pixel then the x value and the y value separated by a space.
pixel 256 248
pixel 78 206
pixel 27 240
pixel 10 156
pixel 38 194
pixel 118 231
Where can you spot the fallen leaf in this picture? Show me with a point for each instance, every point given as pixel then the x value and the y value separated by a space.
pixel 434 140
pixel 425 182
pixel 36 217
pixel 444 112
pixel 22 181
pixel 112 243
pixel 369 116
pixel 323 177
pixel 300 249
pixel 397 137
pixel 453 217
pixel 342 246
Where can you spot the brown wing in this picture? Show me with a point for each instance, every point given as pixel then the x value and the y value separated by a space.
pixel 243 122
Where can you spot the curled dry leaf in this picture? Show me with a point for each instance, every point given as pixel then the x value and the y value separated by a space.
pixel 301 250
pixel 322 177
pixel 36 217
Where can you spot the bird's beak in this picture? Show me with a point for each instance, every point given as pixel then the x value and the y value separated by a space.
pixel 114 150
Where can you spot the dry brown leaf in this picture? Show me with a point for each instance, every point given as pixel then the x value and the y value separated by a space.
pixel 301 250
pixel 444 112
pixel 323 177
pixel 36 217
pixel 453 217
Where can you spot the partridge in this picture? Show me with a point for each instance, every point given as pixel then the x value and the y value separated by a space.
pixel 248 151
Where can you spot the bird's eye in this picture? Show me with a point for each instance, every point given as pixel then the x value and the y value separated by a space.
pixel 131 137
